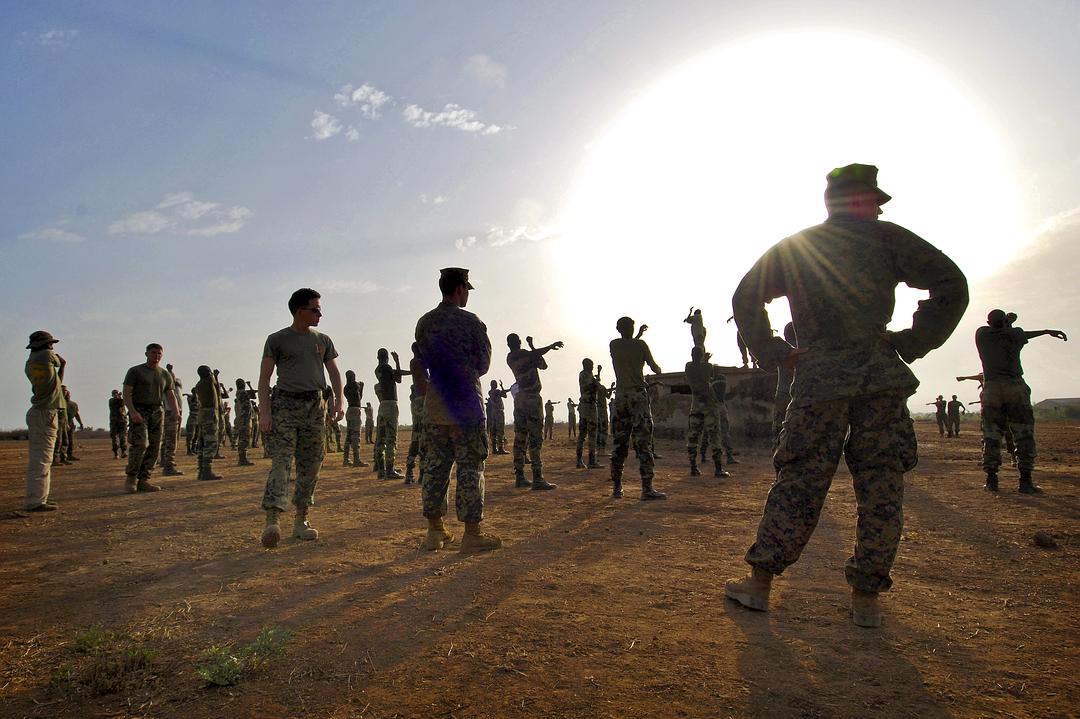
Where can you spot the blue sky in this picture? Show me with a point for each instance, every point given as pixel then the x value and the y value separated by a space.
pixel 172 172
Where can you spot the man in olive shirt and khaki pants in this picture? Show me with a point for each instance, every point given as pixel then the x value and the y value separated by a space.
pixel 45 370
pixel 146 387
pixel 294 422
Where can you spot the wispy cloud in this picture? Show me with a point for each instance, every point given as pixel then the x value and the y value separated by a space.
pixel 485 71
pixel 349 287
pixel 464 243
pixel 529 223
pixel 452 115
pixel 53 232
pixel 367 98
pixel 56 37
pixel 180 213
pixel 1058 222
pixel 325 125
pixel 426 199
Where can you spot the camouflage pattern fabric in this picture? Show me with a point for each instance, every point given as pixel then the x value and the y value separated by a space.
pixel 528 432
pixel 208 424
pixel 632 422
pixel 445 445
pixel 386 436
pixel 118 435
pixel 354 422
pixel 297 430
pixel 169 432
pixel 243 429
pixel 881 446
pixel 1006 406
pixel 63 436
pixel 705 422
pixel 416 447
pixel 369 428
pixel 784 376
pixel 602 425
pixel 144 442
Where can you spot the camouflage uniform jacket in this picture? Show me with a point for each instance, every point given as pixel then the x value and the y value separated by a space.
pixel 457 352
pixel 840 279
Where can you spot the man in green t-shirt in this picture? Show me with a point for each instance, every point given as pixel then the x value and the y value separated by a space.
pixel 147 388
pixel 294 422
pixel 632 417
pixel 118 425
pixel 45 370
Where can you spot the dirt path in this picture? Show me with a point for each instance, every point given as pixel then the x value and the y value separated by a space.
pixel 594 607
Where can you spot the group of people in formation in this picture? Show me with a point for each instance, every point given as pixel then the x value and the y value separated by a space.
pixel 843 384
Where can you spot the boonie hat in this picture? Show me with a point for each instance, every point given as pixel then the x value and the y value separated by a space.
pixel 460 274
pixel 843 180
pixel 41 337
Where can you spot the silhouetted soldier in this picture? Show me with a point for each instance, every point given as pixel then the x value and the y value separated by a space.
pixel 496 417
pixel 954 408
pixel 940 414
pixel 632 416
pixel 528 408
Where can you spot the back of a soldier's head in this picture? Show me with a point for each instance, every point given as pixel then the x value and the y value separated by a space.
pixel 494 384
pixel 203 371
pixel 350 375
pixel 996 318
pixel 513 341
pixel 587 364
pixel 625 326
pixel 954 396
pixel 382 354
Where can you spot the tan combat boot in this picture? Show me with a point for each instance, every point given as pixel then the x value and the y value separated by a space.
pixel 301 529
pixel 131 484
pixel 476 541
pixel 437 535
pixel 272 534
pixel 751 591
pixel 865 611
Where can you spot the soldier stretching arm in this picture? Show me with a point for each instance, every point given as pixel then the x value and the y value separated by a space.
pixel 398 372
pixel 543 350
pixel 337 411
pixel 1053 333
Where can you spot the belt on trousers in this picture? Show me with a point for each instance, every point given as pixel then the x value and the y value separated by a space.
pixel 388 401
pixel 148 408
pixel 307 396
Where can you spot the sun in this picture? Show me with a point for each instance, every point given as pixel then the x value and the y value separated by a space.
pixel 728 154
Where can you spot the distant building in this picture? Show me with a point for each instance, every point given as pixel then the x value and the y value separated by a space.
pixel 751 393
pixel 1059 403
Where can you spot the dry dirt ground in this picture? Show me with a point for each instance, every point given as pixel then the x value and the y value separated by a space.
pixel 593 608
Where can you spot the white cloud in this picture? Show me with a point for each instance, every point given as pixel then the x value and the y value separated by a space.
pixel 57 37
pixel 528 224
pixel 464 243
pixel 54 232
pixel 325 125
pixel 367 98
pixel 451 115
pixel 180 213
pixel 485 71
pixel 1058 222
pixel 426 199
pixel 352 134
pixel 348 287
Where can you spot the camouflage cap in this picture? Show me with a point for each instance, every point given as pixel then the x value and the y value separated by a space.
pixel 460 274
pixel 843 180
pixel 40 339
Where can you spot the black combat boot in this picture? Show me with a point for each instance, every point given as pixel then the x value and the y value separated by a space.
pixel 647 491
pixel 538 481
pixel 616 487
pixel 519 479
pixel 580 464
pixel 593 464
pixel 1027 486
pixel 991 482
pixel 694 471
pixel 718 469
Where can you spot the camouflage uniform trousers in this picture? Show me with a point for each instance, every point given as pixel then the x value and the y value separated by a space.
pixel 416 442
pixel 571 427
pixel 226 431
pixel 243 430
pixel 875 435
pixel 496 428
pixel 588 428
pixel 63 438
pixel 942 423
pixel 633 422
pixel 354 421
pixel 144 442
pixel 549 428
pixel 528 432
pixel 443 446
pixel 169 431
pixel 602 426
pixel 118 435
pixel 954 425
pixel 1007 406
pixel 386 436
pixel 208 424
pixel 784 377
pixel 297 431
pixel 190 429
pixel 369 431
pixel 704 420
pixel 71 438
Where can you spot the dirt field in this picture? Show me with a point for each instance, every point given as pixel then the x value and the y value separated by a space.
pixel 594 607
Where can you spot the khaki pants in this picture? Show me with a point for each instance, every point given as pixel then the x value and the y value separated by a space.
pixel 42 426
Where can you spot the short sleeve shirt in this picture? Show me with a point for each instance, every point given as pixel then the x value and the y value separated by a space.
pixel 386 382
pixel 455 348
pixel 148 385
pixel 72 410
pixel 300 358
pixel 42 369
pixel 999 349
pixel 628 357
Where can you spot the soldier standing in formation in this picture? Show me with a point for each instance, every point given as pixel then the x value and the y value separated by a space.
pixel 242 400
pixel 784 377
pixel 496 417
pixel 417 395
pixel 940 414
pixel 632 416
pixel 571 417
pixel 549 419
pixel 333 429
pixel 191 428
pixel 955 407
pixel 63 438
pixel 603 394
pixel 704 412
pixel 455 348
pixel 206 392
pixel 369 424
pixel 72 416
pixel 354 420
pixel 147 387
pixel 528 408
pixel 294 422
pixel 697 327
pixel 849 396
pixel 588 423
pixel 170 430
pixel 387 379
pixel 45 370
pixel 118 425
pixel 1006 398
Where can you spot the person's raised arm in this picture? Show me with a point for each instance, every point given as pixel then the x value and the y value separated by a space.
pixel 265 370
pixel 651 362
pixel 398 372
pixel 335 382
pixel 761 285
pixel 1053 333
